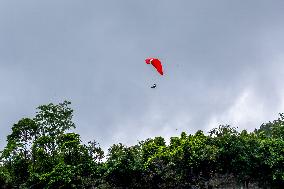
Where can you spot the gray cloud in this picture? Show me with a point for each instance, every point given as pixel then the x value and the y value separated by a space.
pixel 222 61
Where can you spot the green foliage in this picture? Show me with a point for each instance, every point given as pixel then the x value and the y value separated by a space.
pixel 121 163
pixel 5 177
pixel 41 153
pixel 273 129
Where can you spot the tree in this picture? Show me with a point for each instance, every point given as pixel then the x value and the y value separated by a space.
pixel 121 163
pixel 17 155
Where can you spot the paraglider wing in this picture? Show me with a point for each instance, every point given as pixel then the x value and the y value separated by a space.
pixel 156 63
pixel 148 60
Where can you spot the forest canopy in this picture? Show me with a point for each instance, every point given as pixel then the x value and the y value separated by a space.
pixel 41 152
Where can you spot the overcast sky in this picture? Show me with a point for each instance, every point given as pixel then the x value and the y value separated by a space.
pixel 223 64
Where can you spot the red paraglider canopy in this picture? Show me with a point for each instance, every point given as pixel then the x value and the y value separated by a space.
pixel 156 63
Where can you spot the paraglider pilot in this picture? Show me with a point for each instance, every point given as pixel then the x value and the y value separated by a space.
pixel 154 86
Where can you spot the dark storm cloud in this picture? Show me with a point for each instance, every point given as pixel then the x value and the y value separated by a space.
pixel 222 61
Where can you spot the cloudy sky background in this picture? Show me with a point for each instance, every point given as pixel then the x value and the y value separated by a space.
pixel 223 64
